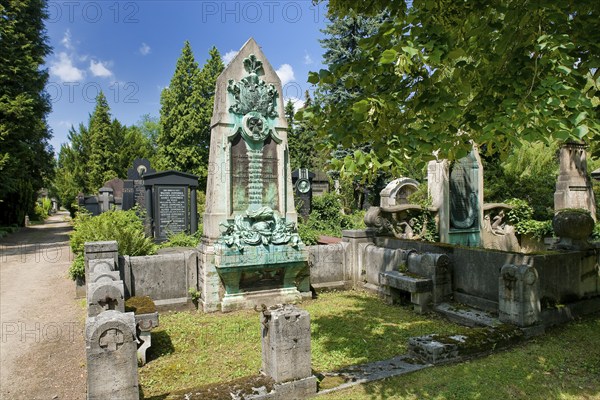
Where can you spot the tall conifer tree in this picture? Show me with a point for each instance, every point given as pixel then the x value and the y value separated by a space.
pixel 179 117
pixel 26 162
pixel 104 143
pixel 186 110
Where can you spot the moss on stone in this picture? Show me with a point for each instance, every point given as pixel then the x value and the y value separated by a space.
pixel 329 382
pixel 222 391
pixel 140 305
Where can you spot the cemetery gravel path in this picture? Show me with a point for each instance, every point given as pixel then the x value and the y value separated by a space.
pixel 42 350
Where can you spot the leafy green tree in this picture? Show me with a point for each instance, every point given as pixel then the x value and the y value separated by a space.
pixel 134 144
pixel 440 75
pixel 26 158
pixel 150 128
pixel 529 173
pixel 301 140
pixel 186 109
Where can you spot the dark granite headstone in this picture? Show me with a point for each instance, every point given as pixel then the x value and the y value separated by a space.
pixel 133 188
pixel 303 192
pixel 170 210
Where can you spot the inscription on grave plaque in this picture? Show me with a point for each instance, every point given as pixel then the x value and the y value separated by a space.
pixel 172 210
pixel 239 175
pixel 270 172
pixel 254 175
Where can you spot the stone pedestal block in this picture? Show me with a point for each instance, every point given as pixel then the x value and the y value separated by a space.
pixel 519 302
pixel 111 357
pixel 286 343
pixel 573 185
pixel 438 187
pixel 354 261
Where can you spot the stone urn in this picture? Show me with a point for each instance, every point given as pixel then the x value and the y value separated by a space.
pixel 573 227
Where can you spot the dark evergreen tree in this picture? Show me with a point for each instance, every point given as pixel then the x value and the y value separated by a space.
pixel 207 80
pixel 182 139
pixel 105 140
pixel 26 158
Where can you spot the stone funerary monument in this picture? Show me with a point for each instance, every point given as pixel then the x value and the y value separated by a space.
pixel 251 253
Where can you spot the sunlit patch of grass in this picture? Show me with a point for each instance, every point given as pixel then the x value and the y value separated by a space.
pixel 191 349
pixel 563 364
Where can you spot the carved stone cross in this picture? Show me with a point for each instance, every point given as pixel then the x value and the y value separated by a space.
pixel 111 339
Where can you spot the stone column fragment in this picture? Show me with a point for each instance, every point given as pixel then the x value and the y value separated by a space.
pixel 286 343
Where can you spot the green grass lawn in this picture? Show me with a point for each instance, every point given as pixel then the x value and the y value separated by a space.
pixel 563 364
pixel 191 349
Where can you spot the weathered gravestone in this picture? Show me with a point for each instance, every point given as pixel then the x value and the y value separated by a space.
pixel 286 356
pixel 573 186
pixel 320 183
pixel 251 253
pixel 171 203
pixel 302 181
pixel 134 192
pixel 397 192
pixel 112 370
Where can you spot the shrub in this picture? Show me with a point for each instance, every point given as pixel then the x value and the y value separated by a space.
pixel 182 239
pixel 596 232
pixel 425 219
pixel 123 226
pixel 521 217
pixel 42 209
pixel 77 269
pixel 326 218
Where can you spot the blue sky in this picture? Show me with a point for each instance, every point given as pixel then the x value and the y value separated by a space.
pixel 128 49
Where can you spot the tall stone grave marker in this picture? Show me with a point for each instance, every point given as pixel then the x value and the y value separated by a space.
pixel 133 188
pixel 573 186
pixel 251 253
pixel 466 200
pixel 438 189
pixel 457 192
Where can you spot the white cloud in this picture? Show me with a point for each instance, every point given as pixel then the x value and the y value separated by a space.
pixel 99 69
pixel 307 59
pixel 286 74
pixel 64 69
pixel 145 49
pixel 229 56
pixel 298 103
pixel 66 40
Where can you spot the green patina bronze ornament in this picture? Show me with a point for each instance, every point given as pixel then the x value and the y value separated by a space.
pixel 252 93
pixel 254 105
